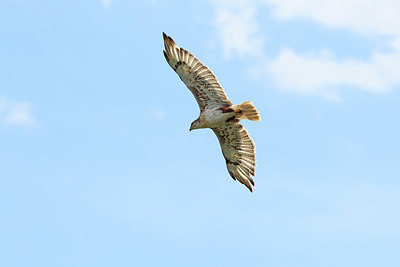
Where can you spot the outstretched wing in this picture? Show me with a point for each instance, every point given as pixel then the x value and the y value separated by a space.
pixel 239 152
pixel 200 80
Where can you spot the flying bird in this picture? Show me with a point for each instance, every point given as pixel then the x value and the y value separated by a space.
pixel 217 112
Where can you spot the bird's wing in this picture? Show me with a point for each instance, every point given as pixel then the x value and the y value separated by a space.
pixel 239 152
pixel 200 80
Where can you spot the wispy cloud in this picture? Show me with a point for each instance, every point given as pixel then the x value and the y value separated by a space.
pixel 367 209
pixel 238 28
pixel 15 113
pixel 319 73
pixel 158 113
pixel 106 3
pixel 362 16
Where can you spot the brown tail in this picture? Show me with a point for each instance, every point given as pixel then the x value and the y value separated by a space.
pixel 246 110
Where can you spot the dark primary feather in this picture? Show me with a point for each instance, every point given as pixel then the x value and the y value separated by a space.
pixel 237 147
pixel 239 152
pixel 200 80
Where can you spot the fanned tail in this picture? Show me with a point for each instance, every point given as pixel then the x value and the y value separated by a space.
pixel 246 110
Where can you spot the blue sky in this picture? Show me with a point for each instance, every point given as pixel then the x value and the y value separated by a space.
pixel 98 168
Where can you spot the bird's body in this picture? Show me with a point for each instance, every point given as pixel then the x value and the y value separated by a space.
pixel 217 112
pixel 213 117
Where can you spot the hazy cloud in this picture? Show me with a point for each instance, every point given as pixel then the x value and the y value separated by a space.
pixel 363 16
pixel 238 28
pixel 367 208
pixel 319 73
pixel 158 113
pixel 106 3
pixel 15 113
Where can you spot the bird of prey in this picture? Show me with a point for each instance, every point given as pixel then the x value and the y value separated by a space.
pixel 217 112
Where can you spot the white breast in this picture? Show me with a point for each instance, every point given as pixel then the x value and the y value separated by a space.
pixel 214 117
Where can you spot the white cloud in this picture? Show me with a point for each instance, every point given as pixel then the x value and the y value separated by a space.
pixel 238 28
pixel 13 113
pixel 158 113
pixel 363 16
pixel 367 209
pixel 319 73
pixel 106 3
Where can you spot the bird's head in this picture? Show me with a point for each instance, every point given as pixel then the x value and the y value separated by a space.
pixel 195 125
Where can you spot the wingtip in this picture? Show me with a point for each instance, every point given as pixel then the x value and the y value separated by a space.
pixel 166 56
pixel 232 174
pixel 252 181
pixel 250 188
pixel 166 37
pixel 168 40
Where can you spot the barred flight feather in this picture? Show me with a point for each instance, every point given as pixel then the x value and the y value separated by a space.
pixel 237 147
